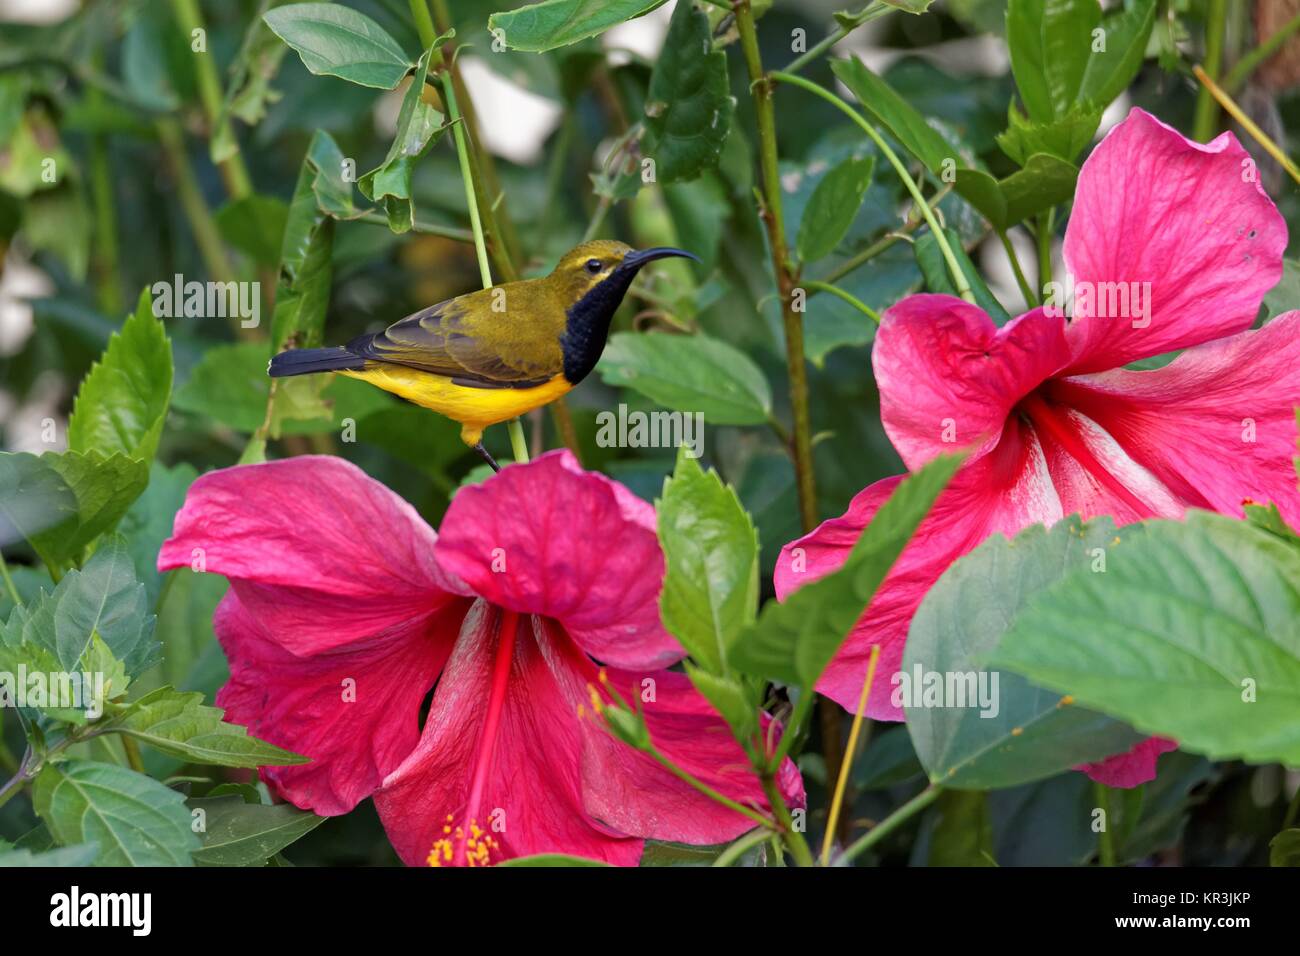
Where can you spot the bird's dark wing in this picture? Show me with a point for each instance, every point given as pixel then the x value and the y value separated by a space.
pixel 445 339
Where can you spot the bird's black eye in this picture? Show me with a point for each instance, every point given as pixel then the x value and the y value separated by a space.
pixel 594 266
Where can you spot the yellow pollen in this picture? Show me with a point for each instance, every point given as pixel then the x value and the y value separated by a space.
pixel 478 846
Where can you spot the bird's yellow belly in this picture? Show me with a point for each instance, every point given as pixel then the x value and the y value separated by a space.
pixel 474 408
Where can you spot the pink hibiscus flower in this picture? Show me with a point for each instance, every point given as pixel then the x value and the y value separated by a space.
pixel 1172 245
pixel 345 609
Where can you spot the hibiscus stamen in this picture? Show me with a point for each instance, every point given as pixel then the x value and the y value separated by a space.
pixel 466 846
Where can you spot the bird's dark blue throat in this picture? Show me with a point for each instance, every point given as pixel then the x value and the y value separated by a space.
pixel 588 318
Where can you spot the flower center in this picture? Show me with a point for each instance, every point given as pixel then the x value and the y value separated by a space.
pixel 470 845
pixel 1051 422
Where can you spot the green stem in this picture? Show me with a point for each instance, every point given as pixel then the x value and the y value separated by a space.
pixel 871 11
pixel 794 840
pixel 1240 72
pixel 233 171
pixel 693 781
pixel 742 845
pixel 1105 837
pixel 1207 108
pixel 14 785
pixel 132 749
pixel 9 581
pixel 891 823
pixel 1026 289
pixel 774 221
pixel 423 22
pixel 517 443
pixel 1046 226
pixel 846 296
pixel 428 228
pixel 466 175
pixel 958 277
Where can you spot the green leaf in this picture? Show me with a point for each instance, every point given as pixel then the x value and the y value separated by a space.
pixel 104 598
pixel 61 502
pixel 80 855
pixel 1065 138
pixel 710 547
pixel 249 91
pixel 688 104
pixel 1110 71
pixel 1157 820
pixel 1283 849
pixel 418 126
pixel 833 207
pixel 938 279
pixel 122 402
pixel 963 831
pixel 551 859
pixel 889 761
pixel 794 640
pixel 333 193
pixel 895 114
pixel 1022 732
pixel 334 40
pixel 181 725
pixel 303 290
pixel 689 373
pixel 1045 181
pixel 135 820
pixel 254 225
pixel 544 26
pixel 1192 633
pixel 236 833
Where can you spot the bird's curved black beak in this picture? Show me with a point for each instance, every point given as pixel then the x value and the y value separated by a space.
pixel 638 257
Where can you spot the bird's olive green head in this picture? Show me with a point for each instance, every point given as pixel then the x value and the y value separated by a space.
pixel 593 278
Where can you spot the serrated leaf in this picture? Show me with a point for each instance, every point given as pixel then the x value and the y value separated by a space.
pixel 122 402
pixel 1045 181
pixel 710 548
pixel 1024 732
pixel 794 640
pixel 61 502
pixel 134 820
pixel 237 833
pixel 689 373
pixel 1065 138
pixel 688 104
pixel 1192 633
pixel 181 725
pixel 334 40
pixel 833 207
pixel 544 26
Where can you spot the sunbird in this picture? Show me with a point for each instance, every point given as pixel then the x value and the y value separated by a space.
pixel 489 356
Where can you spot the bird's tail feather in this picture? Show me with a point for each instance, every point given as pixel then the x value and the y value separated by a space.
pixel 305 361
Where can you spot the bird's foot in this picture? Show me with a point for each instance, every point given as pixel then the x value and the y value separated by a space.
pixel 487 457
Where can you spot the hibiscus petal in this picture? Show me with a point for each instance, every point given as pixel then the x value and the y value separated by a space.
pixel 354 711
pixel 1002 491
pixel 549 538
pixel 525 787
pixel 948 377
pixel 318 551
pixel 1216 426
pixel 1131 769
pixel 1189 219
pixel 630 791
